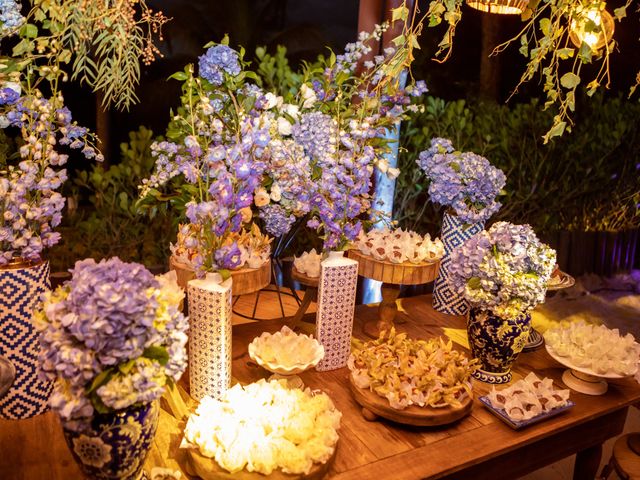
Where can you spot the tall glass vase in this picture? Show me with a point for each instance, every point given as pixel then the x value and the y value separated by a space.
pixel 454 233
pixel 21 286
pixel 116 444
pixel 336 307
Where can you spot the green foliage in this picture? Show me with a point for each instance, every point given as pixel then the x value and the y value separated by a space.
pixel 586 181
pixel 106 221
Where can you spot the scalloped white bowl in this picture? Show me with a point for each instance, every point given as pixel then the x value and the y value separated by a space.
pixel 312 351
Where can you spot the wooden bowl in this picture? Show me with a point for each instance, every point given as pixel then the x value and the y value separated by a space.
pixel 395 273
pixel 245 280
pixel 374 405
pixel 206 468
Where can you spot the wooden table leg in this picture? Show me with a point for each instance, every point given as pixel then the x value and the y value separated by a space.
pixel 587 463
pixel 387 311
pixel 310 295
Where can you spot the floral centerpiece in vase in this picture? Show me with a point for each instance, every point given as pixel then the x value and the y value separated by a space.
pixel 468 185
pixel 503 274
pixel 112 339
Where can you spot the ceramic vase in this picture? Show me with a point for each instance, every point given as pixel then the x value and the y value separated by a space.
pixel 21 286
pixel 454 233
pixel 116 445
pixel 336 307
pixel 496 343
pixel 209 336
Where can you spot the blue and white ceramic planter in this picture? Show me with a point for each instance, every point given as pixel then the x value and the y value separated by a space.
pixel 454 233
pixel 21 286
pixel 116 445
pixel 496 343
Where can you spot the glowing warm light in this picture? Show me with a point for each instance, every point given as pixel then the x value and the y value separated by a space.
pixel 505 7
pixel 595 39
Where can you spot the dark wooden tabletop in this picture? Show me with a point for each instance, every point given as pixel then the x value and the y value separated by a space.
pixel 479 446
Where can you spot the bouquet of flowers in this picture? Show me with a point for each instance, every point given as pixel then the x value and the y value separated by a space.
pixel 466 182
pixel 29 200
pixel 111 337
pixel 504 270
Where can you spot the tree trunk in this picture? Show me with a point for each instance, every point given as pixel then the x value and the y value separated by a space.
pixel 489 88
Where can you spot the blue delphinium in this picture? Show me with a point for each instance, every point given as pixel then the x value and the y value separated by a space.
pixel 466 182
pixel 504 270
pixel 216 61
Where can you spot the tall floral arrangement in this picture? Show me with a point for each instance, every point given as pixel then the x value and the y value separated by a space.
pixel 215 157
pixel 504 270
pixel 463 181
pixel 111 337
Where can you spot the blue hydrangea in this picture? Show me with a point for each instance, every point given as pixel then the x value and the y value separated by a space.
pixel 10 17
pixel 216 61
pixel 276 219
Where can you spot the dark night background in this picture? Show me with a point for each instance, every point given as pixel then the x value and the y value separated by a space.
pixel 306 27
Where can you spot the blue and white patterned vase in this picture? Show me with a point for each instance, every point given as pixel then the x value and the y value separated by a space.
pixel 21 286
pixel 454 233
pixel 116 445
pixel 496 343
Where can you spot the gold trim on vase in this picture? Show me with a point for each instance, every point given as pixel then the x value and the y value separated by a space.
pixel 17 263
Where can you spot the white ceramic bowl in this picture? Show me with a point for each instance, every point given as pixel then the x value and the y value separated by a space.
pixel 286 352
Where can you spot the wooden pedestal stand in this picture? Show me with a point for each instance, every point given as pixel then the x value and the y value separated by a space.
pixel 245 280
pixel 310 295
pixel 392 275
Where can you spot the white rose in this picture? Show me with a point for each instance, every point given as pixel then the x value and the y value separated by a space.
pixel 271 99
pixel 261 198
pixel 292 110
pixel 4 122
pixel 284 127
pixel 246 214
pixel 308 95
pixel 276 192
pixel 393 172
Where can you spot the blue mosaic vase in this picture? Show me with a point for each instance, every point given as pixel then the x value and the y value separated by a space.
pixel 454 233
pixel 21 286
pixel 496 343
pixel 117 444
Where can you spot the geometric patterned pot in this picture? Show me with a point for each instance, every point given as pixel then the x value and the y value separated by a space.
pixel 117 444
pixel 496 343
pixel 21 286
pixel 454 233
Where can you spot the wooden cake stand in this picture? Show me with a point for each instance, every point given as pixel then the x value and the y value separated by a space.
pixel 374 406
pixel 310 295
pixel 245 280
pixel 392 275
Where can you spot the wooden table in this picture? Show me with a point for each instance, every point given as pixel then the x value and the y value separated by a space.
pixel 477 447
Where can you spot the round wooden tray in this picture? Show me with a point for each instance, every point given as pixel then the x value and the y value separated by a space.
pixel 304 279
pixel 374 405
pixel 245 280
pixel 206 468
pixel 395 273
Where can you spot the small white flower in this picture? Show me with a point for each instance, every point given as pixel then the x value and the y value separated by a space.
pixel 276 192
pixel 308 95
pixel 271 99
pixel 292 110
pixel 284 127
pixel 393 172
pixel 383 165
pixel 261 198
pixel 92 451
pixel 15 86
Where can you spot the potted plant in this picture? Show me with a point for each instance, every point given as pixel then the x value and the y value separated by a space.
pixel 503 273
pixel 468 185
pixel 112 339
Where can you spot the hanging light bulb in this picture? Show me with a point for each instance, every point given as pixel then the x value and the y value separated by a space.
pixel 594 27
pixel 508 7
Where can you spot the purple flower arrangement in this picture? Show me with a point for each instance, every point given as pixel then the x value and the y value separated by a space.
pixel 504 270
pixel 29 200
pixel 111 337
pixel 465 182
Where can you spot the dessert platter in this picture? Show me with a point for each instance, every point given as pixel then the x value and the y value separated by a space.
pixel 592 354
pixel 395 257
pixel 286 353
pixel 527 401
pixel 413 382
pixel 262 430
